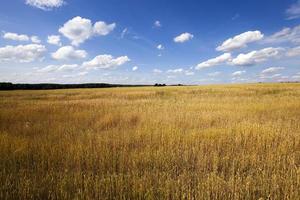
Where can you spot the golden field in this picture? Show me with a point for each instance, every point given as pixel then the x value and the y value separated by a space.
pixel 197 142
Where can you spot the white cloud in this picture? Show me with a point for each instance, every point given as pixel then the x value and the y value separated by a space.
pixel 255 57
pixel 189 73
pixel 171 77
pixel 22 53
pixel 35 39
pixel 160 47
pixel 184 37
pixel 124 32
pixel 79 74
pixel 291 35
pixel 101 28
pixel 271 70
pixel 175 71
pixel 68 67
pixel 77 30
pixel 238 73
pixel 293 12
pixel 15 36
pixel 54 39
pixel 106 62
pixel 157 23
pixel 80 29
pixel 268 76
pixel 135 68
pixel 296 76
pixel 213 74
pixel 283 78
pixel 58 68
pixel 240 41
pixel 238 79
pixel 45 4
pixel 226 57
pixel 68 53
pixel 157 71
pixel 293 52
pixel 21 37
pixel 180 71
pixel 47 69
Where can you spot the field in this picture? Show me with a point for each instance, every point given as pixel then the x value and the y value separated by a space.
pixel 197 142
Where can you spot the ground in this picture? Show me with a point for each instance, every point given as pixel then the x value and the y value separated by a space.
pixel 197 142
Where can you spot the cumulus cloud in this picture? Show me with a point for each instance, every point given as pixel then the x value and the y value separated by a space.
pixel 45 4
pixel 80 29
pixel 175 71
pixel 184 37
pixel 272 70
pixel 54 39
pixel 157 24
pixel 106 62
pixel 180 71
pixel 77 30
pixel 293 12
pixel 21 37
pixel 68 53
pixel 226 57
pixel 22 53
pixel 291 35
pixel 255 57
pixel 101 28
pixel 160 47
pixel 15 36
pixel 58 68
pixel 240 41
pixel 238 73
pixel 135 68
pixel 35 39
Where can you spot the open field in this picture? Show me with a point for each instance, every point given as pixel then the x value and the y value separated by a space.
pixel 204 142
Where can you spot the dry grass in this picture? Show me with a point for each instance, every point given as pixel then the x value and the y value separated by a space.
pixel 210 142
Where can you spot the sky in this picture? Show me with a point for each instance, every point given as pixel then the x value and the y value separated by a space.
pixel 149 41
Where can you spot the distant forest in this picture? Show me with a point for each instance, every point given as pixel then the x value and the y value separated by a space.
pixel 50 86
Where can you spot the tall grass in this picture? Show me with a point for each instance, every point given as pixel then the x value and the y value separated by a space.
pixel 206 142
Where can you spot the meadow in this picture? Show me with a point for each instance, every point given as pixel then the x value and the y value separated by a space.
pixel 196 142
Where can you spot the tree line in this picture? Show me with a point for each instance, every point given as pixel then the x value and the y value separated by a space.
pixel 50 86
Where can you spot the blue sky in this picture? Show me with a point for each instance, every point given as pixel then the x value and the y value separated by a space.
pixel 144 42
